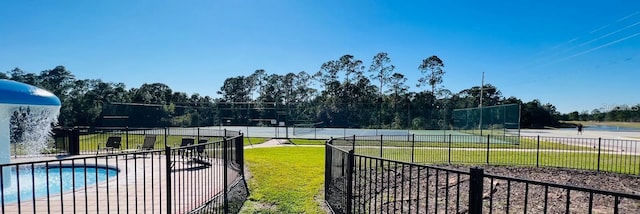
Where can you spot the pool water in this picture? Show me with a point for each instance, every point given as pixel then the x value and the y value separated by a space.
pixel 60 179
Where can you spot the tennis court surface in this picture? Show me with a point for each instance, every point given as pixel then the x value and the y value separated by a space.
pixel 325 133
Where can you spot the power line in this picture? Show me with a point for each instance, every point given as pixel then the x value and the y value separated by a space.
pixel 549 58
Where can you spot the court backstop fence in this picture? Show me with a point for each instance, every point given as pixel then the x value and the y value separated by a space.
pixel 369 115
pixel 502 119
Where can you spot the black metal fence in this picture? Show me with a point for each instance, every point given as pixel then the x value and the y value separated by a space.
pixel 358 182
pixel 205 174
pixel 597 154
pixel 94 140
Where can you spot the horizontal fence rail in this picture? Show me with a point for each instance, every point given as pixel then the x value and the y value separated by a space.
pixel 203 172
pixel 386 174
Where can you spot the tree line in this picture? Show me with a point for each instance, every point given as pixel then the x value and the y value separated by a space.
pixel 342 93
pixel 619 113
pixel 93 102
pixel 346 93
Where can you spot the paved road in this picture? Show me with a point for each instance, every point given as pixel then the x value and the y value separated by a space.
pixel 622 142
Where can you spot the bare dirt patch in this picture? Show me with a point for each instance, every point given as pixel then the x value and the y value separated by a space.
pixel 554 198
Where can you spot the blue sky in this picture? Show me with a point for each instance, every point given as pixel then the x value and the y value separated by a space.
pixel 577 55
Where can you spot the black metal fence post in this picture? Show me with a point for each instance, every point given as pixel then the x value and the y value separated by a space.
pixel 224 172
pixel 476 181
pixel 166 135
pixel 327 167
pixel 126 136
pixel 350 166
pixel 413 147
pixel 381 142
pixel 538 152
pixel 353 143
pixel 167 152
pixel 599 151
pixel 239 147
pixel 198 134
pixel 488 137
pixel 74 142
pixel 449 148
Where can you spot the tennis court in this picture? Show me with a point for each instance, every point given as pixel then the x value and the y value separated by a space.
pixel 326 133
pixel 308 132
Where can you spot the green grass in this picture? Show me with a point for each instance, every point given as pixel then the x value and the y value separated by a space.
pixel 493 132
pixel 132 141
pixel 90 142
pixel 308 142
pixel 285 179
pixel 289 179
pixel 529 143
pixel 254 140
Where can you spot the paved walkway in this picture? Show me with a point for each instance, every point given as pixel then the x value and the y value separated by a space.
pixel 271 143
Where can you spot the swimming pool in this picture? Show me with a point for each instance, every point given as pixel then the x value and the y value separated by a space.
pixel 58 179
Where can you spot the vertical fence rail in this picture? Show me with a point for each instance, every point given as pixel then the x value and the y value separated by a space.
pixel 413 148
pixel 476 182
pixel 488 147
pixel 449 149
pixel 599 152
pixel 381 146
pixel 350 166
pixel 538 151
pixel 224 174
pixel 327 168
pixel 167 153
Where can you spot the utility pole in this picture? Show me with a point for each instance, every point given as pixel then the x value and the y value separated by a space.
pixel 481 95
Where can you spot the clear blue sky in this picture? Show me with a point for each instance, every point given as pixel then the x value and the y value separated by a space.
pixel 577 55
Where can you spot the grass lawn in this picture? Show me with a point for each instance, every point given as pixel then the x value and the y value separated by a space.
pixel 91 142
pixel 308 142
pixel 290 179
pixel 285 180
pixel 254 140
